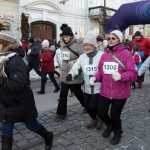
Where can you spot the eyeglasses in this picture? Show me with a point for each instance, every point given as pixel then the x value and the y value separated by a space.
pixel 112 38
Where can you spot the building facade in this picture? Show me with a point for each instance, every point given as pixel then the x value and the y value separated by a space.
pixel 10 17
pixel 45 17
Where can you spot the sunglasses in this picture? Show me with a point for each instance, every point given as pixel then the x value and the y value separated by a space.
pixel 112 38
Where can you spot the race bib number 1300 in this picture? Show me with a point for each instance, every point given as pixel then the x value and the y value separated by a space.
pixel 110 67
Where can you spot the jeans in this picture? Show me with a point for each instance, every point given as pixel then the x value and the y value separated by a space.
pixel 7 128
pixel 36 67
pixel 52 78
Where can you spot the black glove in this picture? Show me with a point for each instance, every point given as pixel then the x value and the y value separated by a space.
pixel 56 67
pixel 69 77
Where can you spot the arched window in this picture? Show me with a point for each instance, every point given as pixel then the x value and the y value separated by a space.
pixel 5 26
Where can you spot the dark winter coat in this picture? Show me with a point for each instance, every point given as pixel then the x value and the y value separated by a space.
pixel 47 62
pixel 34 56
pixel 15 93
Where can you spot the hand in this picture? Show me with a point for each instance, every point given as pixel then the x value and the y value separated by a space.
pixel 71 63
pixel 3 58
pixel 69 77
pixel 116 76
pixel 92 81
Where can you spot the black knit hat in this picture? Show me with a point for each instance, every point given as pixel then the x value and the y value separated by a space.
pixel 63 26
pixel 31 40
pixel 67 31
pixel 137 33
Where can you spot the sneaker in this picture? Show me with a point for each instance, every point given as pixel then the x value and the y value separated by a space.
pixel 56 90
pixel 71 94
pixel 60 117
pixel 40 92
pixel 92 124
pixel 99 124
pixel 139 85
pixel 133 88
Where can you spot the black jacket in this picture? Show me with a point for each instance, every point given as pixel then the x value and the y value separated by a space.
pixel 34 56
pixel 16 94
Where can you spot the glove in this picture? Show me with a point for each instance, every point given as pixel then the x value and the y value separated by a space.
pixel 92 81
pixel 71 63
pixel 69 77
pixel 116 76
pixel 3 58
pixel 29 51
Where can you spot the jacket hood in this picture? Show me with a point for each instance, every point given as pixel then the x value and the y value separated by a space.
pixel 63 44
pixel 117 48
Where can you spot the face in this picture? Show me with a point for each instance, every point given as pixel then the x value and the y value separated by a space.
pixel 67 38
pixel 88 47
pixel 113 40
pixel 1 47
pixel 30 44
pixel 137 38
pixel 99 42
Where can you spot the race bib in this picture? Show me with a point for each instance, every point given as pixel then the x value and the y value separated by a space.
pixel 110 67
pixel 91 69
pixel 66 55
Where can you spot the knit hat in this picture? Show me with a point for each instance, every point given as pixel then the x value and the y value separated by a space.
pixel 67 31
pixel 136 47
pixel 6 39
pixel 90 38
pixel 62 26
pixel 100 37
pixel 137 33
pixel 52 48
pixel 31 40
pixel 45 43
pixel 118 34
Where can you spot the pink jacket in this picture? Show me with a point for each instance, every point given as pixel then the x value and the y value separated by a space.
pixel 117 89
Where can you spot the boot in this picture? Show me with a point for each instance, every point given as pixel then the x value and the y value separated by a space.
pixel 7 143
pixel 117 137
pixel 108 130
pixel 92 124
pixel 48 137
pixel 99 124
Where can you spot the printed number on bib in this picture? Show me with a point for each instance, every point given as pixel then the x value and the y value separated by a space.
pixel 66 55
pixel 91 69
pixel 110 67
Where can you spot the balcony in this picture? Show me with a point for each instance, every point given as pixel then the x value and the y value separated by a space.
pixel 100 12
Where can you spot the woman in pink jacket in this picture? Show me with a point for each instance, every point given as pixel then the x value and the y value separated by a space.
pixel 115 77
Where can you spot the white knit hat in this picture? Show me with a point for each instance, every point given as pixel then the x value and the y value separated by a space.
pixel 90 38
pixel 118 34
pixel 45 43
pixel 52 48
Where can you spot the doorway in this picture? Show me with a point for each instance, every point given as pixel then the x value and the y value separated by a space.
pixel 43 30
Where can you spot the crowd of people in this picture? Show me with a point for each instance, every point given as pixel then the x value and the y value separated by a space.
pixel 108 73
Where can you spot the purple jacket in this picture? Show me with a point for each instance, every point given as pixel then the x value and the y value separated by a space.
pixel 117 89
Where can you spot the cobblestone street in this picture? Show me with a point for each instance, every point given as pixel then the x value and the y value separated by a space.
pixel 72 134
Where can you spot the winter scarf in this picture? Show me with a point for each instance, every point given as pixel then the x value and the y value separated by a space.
pixel 4 57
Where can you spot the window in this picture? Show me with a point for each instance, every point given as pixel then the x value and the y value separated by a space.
pixel 81 32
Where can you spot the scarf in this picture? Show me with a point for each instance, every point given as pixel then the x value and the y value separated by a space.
pixel 92 54
pixel 4 58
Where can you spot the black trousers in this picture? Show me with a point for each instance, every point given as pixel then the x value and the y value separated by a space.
pixel 62 104
pixel 91 102
pixel 116 107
